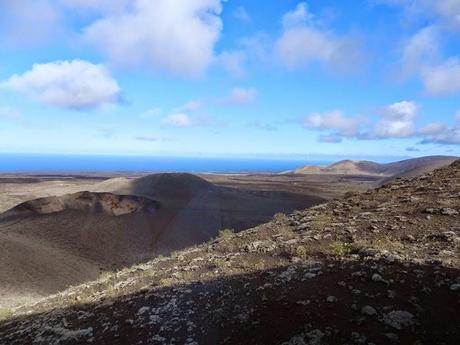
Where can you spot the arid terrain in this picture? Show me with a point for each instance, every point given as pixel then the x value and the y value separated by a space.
pixel 72 237
pixel 377 267
pixel 58 231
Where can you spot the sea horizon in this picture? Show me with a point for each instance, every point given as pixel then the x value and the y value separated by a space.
pixel 52 163
pixel 71 163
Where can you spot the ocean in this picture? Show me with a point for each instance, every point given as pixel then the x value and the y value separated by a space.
pixel 54 163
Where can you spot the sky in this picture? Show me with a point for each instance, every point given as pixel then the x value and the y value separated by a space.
pixel 230 78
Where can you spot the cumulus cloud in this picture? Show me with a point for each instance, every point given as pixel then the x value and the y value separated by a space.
pixel 442 79
pixel 187 115
pixel 433 129
pixel 397 121
pixel 439 133
pixel 73 84
pixel 422 58
pixel 333 120
pixel 173 35
pixel 298 17
pixel 303 42
pixel 450 136
pixel 240 96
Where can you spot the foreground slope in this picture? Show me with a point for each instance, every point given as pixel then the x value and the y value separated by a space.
pixel 375 268
pixel 73 238
pixel 405 168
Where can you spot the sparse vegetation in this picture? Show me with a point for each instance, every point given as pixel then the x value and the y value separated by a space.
pixel 382 242
pixel 280 217
pixel 340 248
pixel 226 233
pixel 5 313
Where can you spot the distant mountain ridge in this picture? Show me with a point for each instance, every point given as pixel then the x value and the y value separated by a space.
pixel 404 168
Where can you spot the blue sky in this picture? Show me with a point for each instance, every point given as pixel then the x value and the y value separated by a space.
pixel 211 77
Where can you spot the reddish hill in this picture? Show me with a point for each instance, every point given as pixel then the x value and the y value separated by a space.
pixel 409 167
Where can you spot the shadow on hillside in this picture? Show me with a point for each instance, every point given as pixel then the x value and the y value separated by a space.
pixel 74 246
pixel 266 307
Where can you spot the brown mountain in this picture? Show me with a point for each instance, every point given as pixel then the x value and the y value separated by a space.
pixel 408 167
pixel 381 267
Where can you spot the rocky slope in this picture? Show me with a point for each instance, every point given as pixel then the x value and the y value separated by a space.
pixel 380 267
pixel 405 168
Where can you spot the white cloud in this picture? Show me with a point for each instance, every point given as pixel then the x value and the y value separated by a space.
pixel 179 120
pixel 421 49
pixel 442 79
pixel 298 17
pixel 394 129
pixel 457 116
pixel 397 121
pixel 303 42
pixel 422 58
pixel 242 15
pixel 73 84
pixel 445 12
pixel 400 111
pixel 184 120
pixel 449 136
pixel 26 22
pixel 298 47
pixel 439 133
pixel 333 120
pixel 433 128
pixel 188 115
pixel 173 35
pixel 240 96
pixel 449 10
